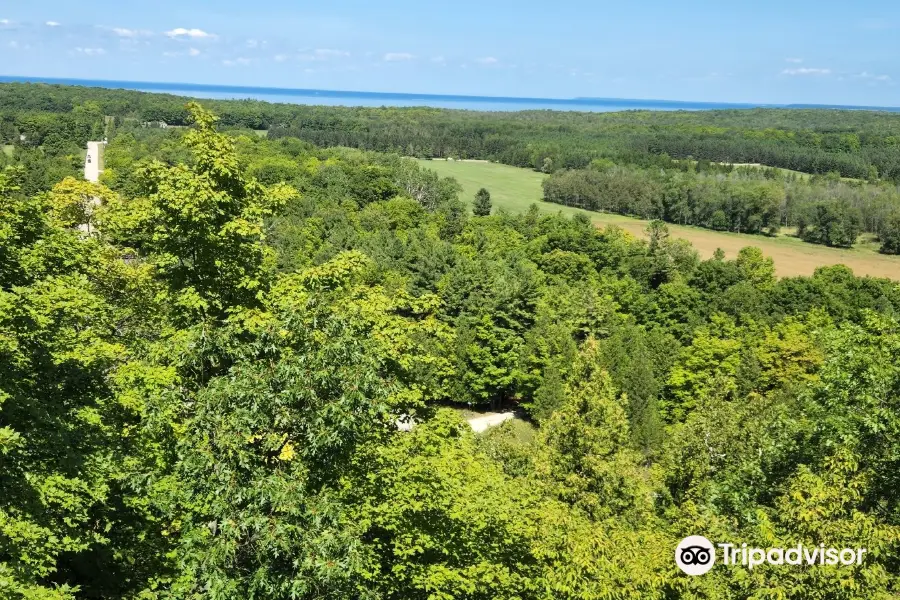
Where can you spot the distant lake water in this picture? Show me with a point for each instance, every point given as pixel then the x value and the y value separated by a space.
pixel 477 103
pixel 375 99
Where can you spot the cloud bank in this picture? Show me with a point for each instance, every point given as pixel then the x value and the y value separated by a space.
pixel 181 32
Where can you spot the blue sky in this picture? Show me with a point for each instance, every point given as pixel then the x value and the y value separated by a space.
pixel 762 51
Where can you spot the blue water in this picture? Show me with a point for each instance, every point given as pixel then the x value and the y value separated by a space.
pixel 350 98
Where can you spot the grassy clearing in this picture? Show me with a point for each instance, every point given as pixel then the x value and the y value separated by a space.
pixel 8 149
pixel 515 189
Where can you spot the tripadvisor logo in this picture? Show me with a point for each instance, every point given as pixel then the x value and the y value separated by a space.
pixel 696 555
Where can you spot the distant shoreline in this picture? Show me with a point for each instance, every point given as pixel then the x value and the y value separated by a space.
pixel 357 98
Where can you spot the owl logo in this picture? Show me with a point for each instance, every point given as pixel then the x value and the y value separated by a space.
pixel 695 555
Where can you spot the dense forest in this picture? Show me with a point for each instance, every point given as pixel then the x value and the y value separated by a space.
pixel 812 141
pixel 857 144
pixel 204 397
pixel 680 167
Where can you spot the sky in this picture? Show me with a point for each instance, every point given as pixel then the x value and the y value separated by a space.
pixel 789 51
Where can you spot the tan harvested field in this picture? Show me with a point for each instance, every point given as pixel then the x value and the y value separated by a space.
pixel 515 189
pixel 792 256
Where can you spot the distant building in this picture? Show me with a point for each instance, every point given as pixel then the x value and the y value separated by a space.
pixel 92 161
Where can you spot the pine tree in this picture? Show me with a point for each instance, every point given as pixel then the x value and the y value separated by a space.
pixel 890 236
pixel 482 205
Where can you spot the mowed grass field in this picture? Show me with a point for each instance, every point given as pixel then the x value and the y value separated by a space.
pixel 515 189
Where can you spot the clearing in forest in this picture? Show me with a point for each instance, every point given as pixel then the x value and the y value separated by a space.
pixel 515 189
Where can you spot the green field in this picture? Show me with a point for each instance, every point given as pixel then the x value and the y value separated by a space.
pixel 515 189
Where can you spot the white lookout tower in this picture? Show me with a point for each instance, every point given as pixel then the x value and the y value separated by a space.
pixel 92 173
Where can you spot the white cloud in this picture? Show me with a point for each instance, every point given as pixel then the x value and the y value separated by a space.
pixel 487 60
pixel 52 24
pixel 796 61
pixel 91 51
pixel 281 57
pixel 439 60
pixel 190 33
pixel 398 56
pixel 806 71
pixel 5 22
pixel 237 62
pixel 194 52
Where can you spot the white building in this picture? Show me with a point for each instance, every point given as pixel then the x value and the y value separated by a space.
pixel 92 173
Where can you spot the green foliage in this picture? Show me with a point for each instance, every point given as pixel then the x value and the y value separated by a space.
pixel 284 423
pixel 637 362
pixel 588 446
pixel 512 444
pixel 755 268
pixel 665 260
pixel 202 226
pixel 66 525
pixel 830 224
pixel 890 235
pixel 726 362
pixel 227 379
pixel 482 205
pixel 74 203
pixel 441 520
pixel 742 202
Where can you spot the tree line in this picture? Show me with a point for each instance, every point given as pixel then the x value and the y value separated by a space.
pixel 746 200
pixel 855 144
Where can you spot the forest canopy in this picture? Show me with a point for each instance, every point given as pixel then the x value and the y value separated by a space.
pixel 204 397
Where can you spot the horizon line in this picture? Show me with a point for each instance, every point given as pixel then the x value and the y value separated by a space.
pixel 313 92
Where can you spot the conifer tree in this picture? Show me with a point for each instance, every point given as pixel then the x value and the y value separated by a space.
pixel 482 205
